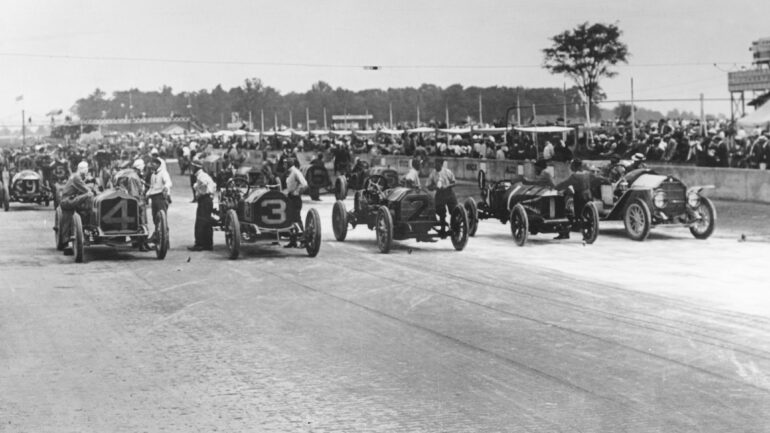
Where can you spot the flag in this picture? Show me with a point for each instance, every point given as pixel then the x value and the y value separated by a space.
pixel 19 98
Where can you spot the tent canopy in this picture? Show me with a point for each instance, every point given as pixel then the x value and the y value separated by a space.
pixel 543 129
pixel 760 117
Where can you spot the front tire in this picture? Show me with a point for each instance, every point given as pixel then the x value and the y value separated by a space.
pixel 233 234
pixel 340 221
pixel 78 238
pixel 590 223
pixel 473 215
pixel 705 227
pixel 458 222
pixel 312 233
pixel 481 178
pixel 60 244
pixel 637 220
pixel 384 229
pixel 162 243
pixel 519 225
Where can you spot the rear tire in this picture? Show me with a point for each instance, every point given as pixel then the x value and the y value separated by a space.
pixel 590 223
pixel 482 180
pixel 312 233
pixel 384 229
pixel 519 225
pixel 162 243
pixel 6 199
pixel 473 215
pixel 233 234
pixel 78 238
pixel 340 221
pixel 709 212
pixel 458 222
pixel 340 188
pixel 637 220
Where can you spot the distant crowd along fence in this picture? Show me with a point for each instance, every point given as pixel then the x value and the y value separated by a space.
pixel 730 183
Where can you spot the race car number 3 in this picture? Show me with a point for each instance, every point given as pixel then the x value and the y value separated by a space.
pixel 274 211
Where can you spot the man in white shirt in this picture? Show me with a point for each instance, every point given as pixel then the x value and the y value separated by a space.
pixel 159 192
pixel 412 178
pixel 295 184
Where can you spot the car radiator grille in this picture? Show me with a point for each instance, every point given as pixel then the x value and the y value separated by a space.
pixel 675 198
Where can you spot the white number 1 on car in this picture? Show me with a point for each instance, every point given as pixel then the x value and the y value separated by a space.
pixel 275 211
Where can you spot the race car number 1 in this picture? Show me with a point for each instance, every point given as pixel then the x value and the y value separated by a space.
pixel 275 211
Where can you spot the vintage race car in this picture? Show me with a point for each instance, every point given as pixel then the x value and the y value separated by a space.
pixel 27 186
pixel 397 214
pixel 643 199
pixel 356 178
pixel 117 218
pixel 263 213
pixel 318 178
pixel 531 209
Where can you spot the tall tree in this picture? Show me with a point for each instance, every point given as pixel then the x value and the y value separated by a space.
pixel 585 54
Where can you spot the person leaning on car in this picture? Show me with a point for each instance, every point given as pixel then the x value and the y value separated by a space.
pixel 412 178
pixel 76 195
pixel 442 180
pixel 583 184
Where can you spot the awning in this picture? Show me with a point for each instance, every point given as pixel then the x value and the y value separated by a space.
pixel 392 131
pixel 421 130
pixel 490 130
pixel 365 132
pixel 760 117
pixel 543 129
pixel 458 131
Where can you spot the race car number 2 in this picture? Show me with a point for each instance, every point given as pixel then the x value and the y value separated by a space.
pixel 274 211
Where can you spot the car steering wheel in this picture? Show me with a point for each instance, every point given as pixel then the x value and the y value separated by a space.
pixel 239 183
pixel 376 182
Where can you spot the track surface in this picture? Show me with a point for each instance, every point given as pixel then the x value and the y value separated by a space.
pixel 668 335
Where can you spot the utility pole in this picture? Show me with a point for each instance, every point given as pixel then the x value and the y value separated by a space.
pixel 23 129
pixel 633 113
pixel 291 120
pixel 702 117
pixel 390 111
pixel 307 118
pixel 418 116
pixel 261 122
pixel 325 127
pixel 518 110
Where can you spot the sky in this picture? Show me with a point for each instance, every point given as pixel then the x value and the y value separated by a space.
pixel 54 52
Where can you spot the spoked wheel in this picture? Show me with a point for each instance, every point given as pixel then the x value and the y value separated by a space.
pixel 705 226
pixel 232 234
pixel 384 229
pixel 340 188
pixel 162 241
pixel 590 223
pixel 519 225
pixel 78 238
pixel 473 215
pixel 637 220
pixel 458 222
pixel 58 241
pixel 312 233
pixel 340 221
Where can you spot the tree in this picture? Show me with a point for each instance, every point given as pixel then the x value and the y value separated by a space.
pixel 585 54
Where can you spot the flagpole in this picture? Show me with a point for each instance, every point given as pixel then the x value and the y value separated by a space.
pixel 481 118
pixel 390 110
pixel 23 129
pixel 518 111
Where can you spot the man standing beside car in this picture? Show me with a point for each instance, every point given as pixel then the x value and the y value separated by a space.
pixel 295 184
pixel 205 188
pixel 76 195
pixel 442 180
pixel 159 191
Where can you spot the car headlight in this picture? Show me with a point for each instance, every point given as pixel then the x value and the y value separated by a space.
pixel 693 200
pixel 659 200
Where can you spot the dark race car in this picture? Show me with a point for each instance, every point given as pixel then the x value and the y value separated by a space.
pixel 117 218
pixel 27 186
pixel 397 214
pixel 320 178
pixel 531 209
pixel 359 174
pixel 643 199
pixel 264 214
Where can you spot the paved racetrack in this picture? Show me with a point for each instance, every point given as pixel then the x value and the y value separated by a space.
pixel 667 335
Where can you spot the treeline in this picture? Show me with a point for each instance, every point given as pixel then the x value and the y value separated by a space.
pixel 211 108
